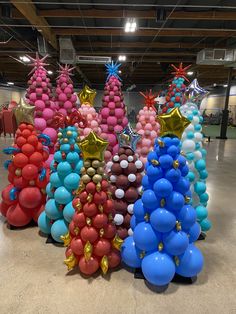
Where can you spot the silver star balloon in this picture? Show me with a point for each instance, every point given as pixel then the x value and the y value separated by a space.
pixel 128 138
pixel 194 92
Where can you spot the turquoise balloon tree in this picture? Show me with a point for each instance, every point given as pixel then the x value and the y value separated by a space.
pixel 164 223
pixel 64 178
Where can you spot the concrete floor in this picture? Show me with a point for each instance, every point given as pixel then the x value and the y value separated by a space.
pixel 33 278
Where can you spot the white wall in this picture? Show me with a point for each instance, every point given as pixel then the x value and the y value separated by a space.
pixel 8 94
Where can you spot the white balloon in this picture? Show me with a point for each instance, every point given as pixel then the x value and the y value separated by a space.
pixel 124 164
pixel 118 219
pixel 138 164
pixel 130 209
pixel 119 193
pixel 197 155
pixel 191 166
pixel 130 158
pixel 113 178
pixel 190 127
pixel 130 232
pixel 198 137
pixel 116 158
pixel 109 165
pixel 131 177
pixel 196 119
pixel 188 146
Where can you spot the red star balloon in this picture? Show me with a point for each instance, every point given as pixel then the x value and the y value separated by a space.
pixel 180 71
pixel 37 63
pixel 149 99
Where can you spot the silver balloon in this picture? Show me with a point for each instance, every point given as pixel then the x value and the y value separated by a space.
pixel 194 92
pixel 128 138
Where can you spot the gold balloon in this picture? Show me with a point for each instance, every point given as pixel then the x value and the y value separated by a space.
pixel 88 250
pixel 104 264
pixel 85 178
pixel 87 95
pixel 68 133
pixel 24 113
pixel 95 163
pixel 91 171
pixel 117 242
pixel 97 178
pixel 87 164
pixel 18 172
pixel 93 147
pixel 70 262
pixel 100 170
pixel 66 238
pixel 173 123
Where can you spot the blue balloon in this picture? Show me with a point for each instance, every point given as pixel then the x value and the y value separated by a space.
pixel 173 175
pixel 52 166
pixel 44 223
pixel 149 199
pixel 191 262
pixel 167 140
pixel 175 201
pixel 139 210
pixel 175 242
pixel 68 212
pixel 182 161
pixel 162 220
pixel 201 119
pixel 133 222
pixel 194 232
pixel 59 228
pixel 205 224
pixel 73 158
pixel 163 188
pixel 145 237
pixel 173 151
pixel 62 195
pixel 49 190
pixel 52 210
pixel 130 254
pixel 184 171
pixel 64 168
pixel 200 188
pixel 182 185
pixel 187 216
pixel 158 268
pixel 166 161
pixel 154 173
pixel 57 156
pixel 55 180
pixel 175 141
pixel 145 183
pixel 200 164
pixel 71 181
pixel 203 174
pixel 201 212
pixel 152 156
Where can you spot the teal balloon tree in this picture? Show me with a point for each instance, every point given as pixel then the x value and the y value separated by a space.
pixel 64 178
pixel 195 153
pixel 164 223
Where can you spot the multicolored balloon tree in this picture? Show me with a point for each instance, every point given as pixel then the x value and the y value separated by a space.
pixel 125 174
pixel 176 88
pixel 39 94
pixel 23 199
pixel 113 112
pixel 164 223
pixel 147 125
pixel 64 178
pixel 92 241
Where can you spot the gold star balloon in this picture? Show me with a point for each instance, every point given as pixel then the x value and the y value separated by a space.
pixel 173 123
pixel 24 113
pixel 87 95
pixel 93 147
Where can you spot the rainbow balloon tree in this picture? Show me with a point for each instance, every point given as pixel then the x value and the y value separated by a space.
pixel 147 125
pixel 113 112
pixel 64 179
pixel 164 223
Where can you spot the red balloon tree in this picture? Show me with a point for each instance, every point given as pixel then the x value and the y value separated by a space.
pixel 92 240
pixel 24 198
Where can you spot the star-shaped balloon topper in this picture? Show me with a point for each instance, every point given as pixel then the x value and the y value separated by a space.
pixel 173 123
pixel 150 99
pixel 37 63
pixel 180 71
pixel 65 70
pixel 93 147
pixel 194 92
pixel 112 69
pixel 87 95
pixel 24 112
pixel 128 138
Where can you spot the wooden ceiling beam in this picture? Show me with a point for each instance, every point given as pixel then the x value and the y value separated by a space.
pixel 28 10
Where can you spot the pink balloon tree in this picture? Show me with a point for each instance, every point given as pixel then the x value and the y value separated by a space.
pixel 39 94
pixel 113 112
pixel 147 125
pixel 65 96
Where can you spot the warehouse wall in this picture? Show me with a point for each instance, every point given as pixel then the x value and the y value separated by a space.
pixel 8 94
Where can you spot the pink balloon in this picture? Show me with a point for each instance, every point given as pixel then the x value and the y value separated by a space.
pixel 119 112
pixel 58 90
pixel 125 121
pixel 89 117
pixel 39 104
pixel 112 120
pixel 112 139
pixel 68 104
pixel 45 97
pixel 107 156
pixel 52 133
pixel 118 128
pixel 62 97
pixel 115 149
pixel 63 111
pixel 62 79
pixel 94 124
pixel 148 126
pixel 105 113
pixel 115 88
pixel 116 98
pixel 49 160
pixel 146 142
pixel 138 126
pixel 67 90
pixel 104 136
pixel 48 113
pixel 147 132
pixel 144 150
pixel 106 98
pixel 39 90
pixel 111 105
pixel 33 96
pixel 54 105
pixel 104 128
pixel 86 131
pixel 141 132
pixel 153 134
pixel 40 124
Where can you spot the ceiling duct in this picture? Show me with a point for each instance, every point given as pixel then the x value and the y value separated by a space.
pixel 92 59
pixel 42 46
pixel 67 50
pixel 216 56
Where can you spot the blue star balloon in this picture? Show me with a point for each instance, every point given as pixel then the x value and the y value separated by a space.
pixel 195 92
pixel 127 137
pixel 113 69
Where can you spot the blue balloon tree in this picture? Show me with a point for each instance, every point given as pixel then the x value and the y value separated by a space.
pixel 64 177
pixel 164 223
pixel 196 159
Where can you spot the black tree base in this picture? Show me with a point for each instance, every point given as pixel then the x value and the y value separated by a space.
pixel 32 223
pixel 202 236
pixel 50 240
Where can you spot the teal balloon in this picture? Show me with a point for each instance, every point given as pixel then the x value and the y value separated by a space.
pixel 55 180
pixel 190 117
pixel 204 198
pixel 194 232
pixel 200 165
pixel 68 212
pixel 59 228
pixel 64 168
pixel 197 146
pixel 44 223
pixel 145 237
pixel 173 175
pixel 130 254
pixel 187 217
pixel 49 192
pixel 73 158
pixel 76 148
pixel 175 242
pixel 197 127
pixel 200 188
pixel 201 119
pixel 201 212
pixel 195 112
pixel 204 152
pixel 190 135
pixel 162 220
pixel 191 262
pixel 52 167
pixel 71 181
pixel 149 199
pixel 175 201
pixel 190 156
pixel 57 156
pixel 162 188
pixel 205 224
pixel 65 148
pixel 78 166
pixel 203 174
pixel 52 210
pixel 139 210
pixel 158 268
pixel 62 195
pixel 191 176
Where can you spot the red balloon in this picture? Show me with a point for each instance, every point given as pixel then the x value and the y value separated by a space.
pixel 39 147
pixel 91 187
pixel 89 234
pixel 4 208
pixel 33 140
pixel 6 195
pixel 27 149
pixel 77 246
pixel 100 221
pixel 108 206
pixel 100 197
pixel 114 259
pixel 36 212
pixel 11 168
pixel 131 195
pixel 102 247
pixel 22 126
pixel 109 231
pixel 20 160
pixel 72 228
pixel 30 197
pixel 11 177
pixel 104 185
pixel 26 133
pixel 68 251
pixel 83 197
pixel 20 182
pixel 79 219
pixel 90 209
pixel 122 232
pixel 42 184
pixel 18 216
pixel 36 159
pixel 30 172
pixel 30 127
pixel 20 141
pixel 88 267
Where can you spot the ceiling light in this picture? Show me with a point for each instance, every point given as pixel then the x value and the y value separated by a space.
pixel 10 83
pixel 190 73
pixel 120 71
pixel 24 59
pixel 214 84
pixel 50 72
pixel 130 25
pixel 225 85
pixel 122 58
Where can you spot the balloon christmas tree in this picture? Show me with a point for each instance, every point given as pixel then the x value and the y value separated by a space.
pixel 65 97
pixel 64 177
pixel 164 223
pixel 147 126
pixel 86 97
pixel 24 197
pixel 125 173
pixel 92 236
pixel 176 88
pixel 39 94
pixel 113 112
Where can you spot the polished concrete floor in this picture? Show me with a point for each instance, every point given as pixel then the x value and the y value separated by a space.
pixel 33 278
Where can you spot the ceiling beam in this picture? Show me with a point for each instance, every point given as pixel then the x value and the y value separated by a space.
pixel 29 12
